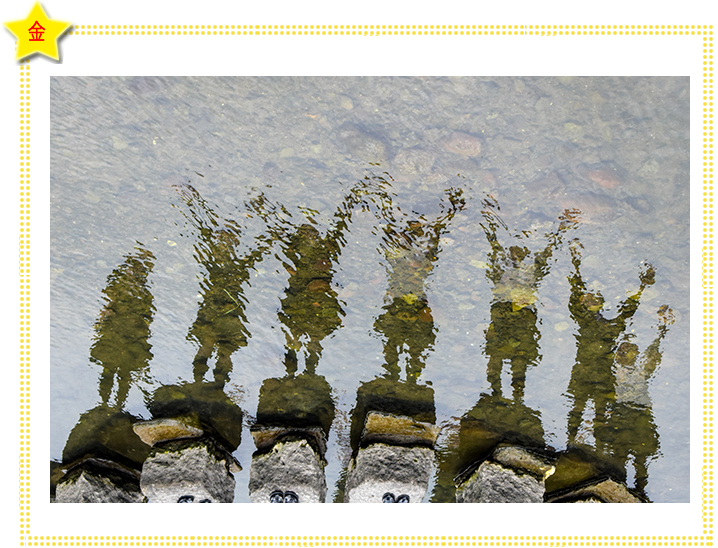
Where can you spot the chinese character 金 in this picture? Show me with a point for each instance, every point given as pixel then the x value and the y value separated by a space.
pixel 36 32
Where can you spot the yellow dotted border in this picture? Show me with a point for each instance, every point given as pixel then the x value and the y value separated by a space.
pixel 317 541
pixel 706 539
pixel 394 30
pixel 707 283
pixel 24 272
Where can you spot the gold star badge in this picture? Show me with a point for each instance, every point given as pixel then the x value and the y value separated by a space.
pixel 37 34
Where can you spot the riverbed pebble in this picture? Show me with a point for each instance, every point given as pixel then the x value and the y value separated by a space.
pixel 463 144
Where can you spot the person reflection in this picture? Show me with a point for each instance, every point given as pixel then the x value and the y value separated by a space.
pixel 122 331
pixel 592 376
pixel 512 337
pixel 513 334
pixel 393 422
pixel 295 413
pixel 630 430
pixel 220 327
pixel 195 426
pixel 102 456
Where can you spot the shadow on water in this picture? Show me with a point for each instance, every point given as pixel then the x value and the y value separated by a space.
pixel 185 451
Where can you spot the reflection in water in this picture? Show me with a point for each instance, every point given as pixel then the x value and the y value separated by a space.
pixel 592 377
pixel 220 326
pixel 196 427
pixel 392 425
pixel 122 331
pixel 411 250
pixel 102 455
pixel 512 336
pixel 609 373
pixel 295 413
pixel 631 431
pixel 184 454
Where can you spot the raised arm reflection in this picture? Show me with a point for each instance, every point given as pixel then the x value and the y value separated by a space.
pixel 597 339
pixel 631 431
pixel 195 426
pixel 501 454
pixel 607 373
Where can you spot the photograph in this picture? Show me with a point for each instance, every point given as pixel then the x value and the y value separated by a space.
pixel 369 289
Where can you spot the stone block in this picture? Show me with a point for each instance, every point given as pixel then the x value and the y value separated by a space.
pixel 291 465
pixel 494 482
pixel 158 430
pixel 603 490
pixel 90 482
pixel 380 468
pixel 519 458
pixel 398 430
pixel 188 471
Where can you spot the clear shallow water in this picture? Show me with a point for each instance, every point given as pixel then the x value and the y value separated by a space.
pixel 124 151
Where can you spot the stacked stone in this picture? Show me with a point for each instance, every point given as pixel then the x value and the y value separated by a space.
pixel 396 459
pixel 597 490
pixel 291 465
pixel 96 480
pixel 185 464
pixel 510 474
pixel 101 460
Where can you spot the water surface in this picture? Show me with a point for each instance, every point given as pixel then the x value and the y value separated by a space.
pixel 358 229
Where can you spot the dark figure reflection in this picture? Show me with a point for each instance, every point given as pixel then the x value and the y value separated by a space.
pixel 295 413
pixel 220 327
pixel 393 423
pixel 196 427
pixel 597 339
pixel 410 248
pixel 122 330
pixel 102 456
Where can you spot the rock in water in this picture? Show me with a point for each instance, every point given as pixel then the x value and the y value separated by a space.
pixel 92 483
pixel 188 471
pixel 380 468
pixel 493 482
pixel 289 466
pixel 511 474
pixel 463 144
pixel 362 145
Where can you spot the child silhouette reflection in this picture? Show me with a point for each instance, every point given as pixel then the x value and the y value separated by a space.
pixel 630 430
pixel 515 274
pixel 220 326
pixel 295 413
pixel 385 405
pixel 122 330
pixel 407 325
